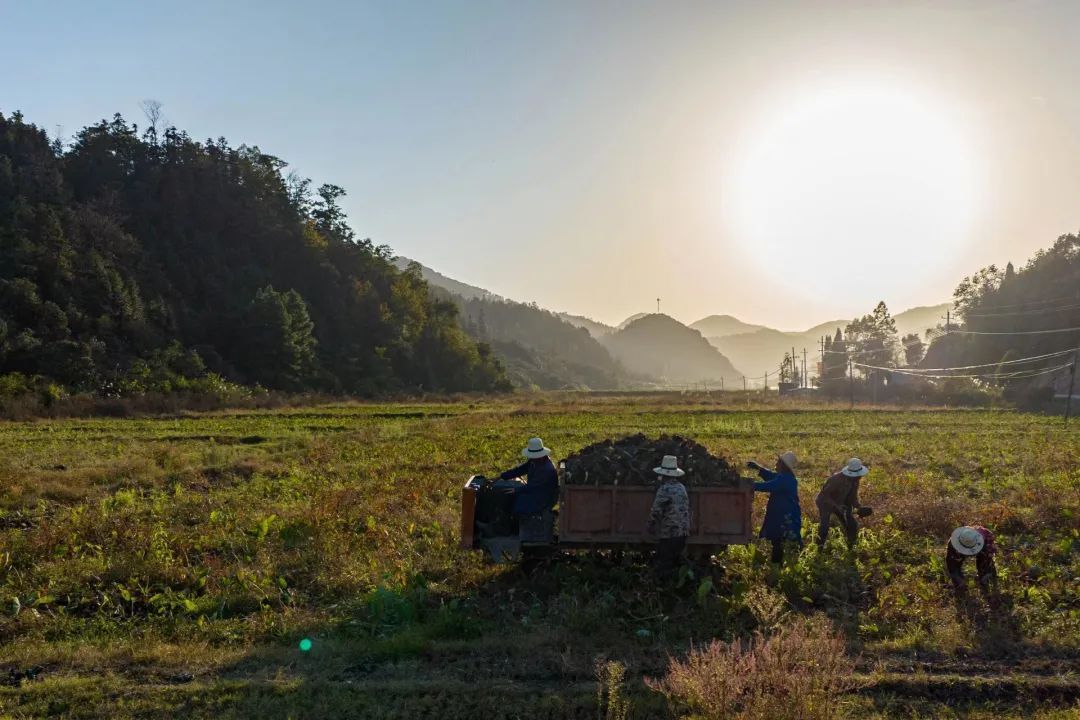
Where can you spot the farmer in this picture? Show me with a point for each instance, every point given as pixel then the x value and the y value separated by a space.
pixel 783 517
pixel 670 516
pixel 972 541
pixel 541 488
pixel 839 496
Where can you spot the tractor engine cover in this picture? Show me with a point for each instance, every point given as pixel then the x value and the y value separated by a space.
pixel 494 509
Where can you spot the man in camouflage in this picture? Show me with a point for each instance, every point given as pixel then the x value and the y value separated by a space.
pixel 670 517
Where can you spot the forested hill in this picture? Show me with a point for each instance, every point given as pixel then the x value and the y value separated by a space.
pixel 1007 315
pixel 145 260
pixel 660 346
pixel 539 349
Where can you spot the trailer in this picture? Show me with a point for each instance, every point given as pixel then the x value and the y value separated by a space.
pixel 597 516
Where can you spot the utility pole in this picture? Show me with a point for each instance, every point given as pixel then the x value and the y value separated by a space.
pixel 766 382
pixel 721 383
pixel 744 383
pixel 657 306
pixel 822 373
pixel 804 383
pixel 851 382
pixel 1072 384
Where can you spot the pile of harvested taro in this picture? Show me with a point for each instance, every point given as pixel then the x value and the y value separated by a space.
pixel 630 461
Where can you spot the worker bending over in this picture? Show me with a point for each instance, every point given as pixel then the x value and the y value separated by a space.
pixel 670 517
pixel 839 497
pixel 541 488
pixel 783 516
pixel 977 542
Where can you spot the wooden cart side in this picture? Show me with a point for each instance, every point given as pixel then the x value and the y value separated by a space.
pixel 613 514
pixel 468 515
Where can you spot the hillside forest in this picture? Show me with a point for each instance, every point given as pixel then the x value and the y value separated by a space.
pixel 134 261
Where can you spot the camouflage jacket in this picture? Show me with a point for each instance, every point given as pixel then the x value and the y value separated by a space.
pixel 670 515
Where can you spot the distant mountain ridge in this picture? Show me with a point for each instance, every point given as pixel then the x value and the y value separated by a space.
pixel 662 347
pixel 722 325
pixel 434 277
pixel 549 350
pixel 539 348
pixel 596 329
pixel 746 347
pixel 762 350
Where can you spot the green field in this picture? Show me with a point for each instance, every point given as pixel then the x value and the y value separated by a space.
pixel 172 565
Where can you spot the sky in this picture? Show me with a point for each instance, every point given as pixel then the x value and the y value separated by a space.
pixel 786 163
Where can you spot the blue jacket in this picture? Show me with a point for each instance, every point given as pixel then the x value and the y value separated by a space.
pixel 783 516
pixel 541 488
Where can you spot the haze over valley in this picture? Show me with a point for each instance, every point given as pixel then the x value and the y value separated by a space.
pixel 650 349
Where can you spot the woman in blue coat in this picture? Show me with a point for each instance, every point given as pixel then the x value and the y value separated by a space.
pixel 783 516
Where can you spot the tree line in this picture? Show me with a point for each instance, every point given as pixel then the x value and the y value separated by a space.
pixel 1000 315
pixel 1024 313
pixel 134 261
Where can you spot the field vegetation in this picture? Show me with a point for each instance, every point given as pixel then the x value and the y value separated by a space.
pixel 172 564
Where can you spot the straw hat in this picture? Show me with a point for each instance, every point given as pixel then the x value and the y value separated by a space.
pixel 535 449
pixel 789 459
pixel 669 466
pixel 855 468
pixel 967 541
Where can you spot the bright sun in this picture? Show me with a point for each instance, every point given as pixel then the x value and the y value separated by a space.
pixel 855 182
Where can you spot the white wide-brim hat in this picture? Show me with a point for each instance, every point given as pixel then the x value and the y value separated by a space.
pixel 789 459
pixel 855 468
pixel 535 449
pixel 669 466
pixel 967 541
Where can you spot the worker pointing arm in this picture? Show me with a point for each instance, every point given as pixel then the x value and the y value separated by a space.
pixel 783 516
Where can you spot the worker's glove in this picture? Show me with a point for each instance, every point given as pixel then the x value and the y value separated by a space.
pixel 865 511
pixel 753 465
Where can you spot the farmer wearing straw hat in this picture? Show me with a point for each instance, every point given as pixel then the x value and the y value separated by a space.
pixel 783 516
pixel 839 496
pixel 977 542
pixel 670 516
pixel 541 488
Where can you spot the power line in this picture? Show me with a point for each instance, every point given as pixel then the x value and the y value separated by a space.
pixel 994 364
pixel 1017 375
pixel 902 346
pixel 1014 332
pixel 1045 301
pixel 1033 311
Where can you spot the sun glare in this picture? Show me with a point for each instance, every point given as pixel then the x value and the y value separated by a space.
pixel 867 181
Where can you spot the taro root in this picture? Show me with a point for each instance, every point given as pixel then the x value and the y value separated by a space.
pixel 630 461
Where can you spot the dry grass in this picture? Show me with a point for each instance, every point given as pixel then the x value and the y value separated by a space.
pixel 143 547
pixel 798 672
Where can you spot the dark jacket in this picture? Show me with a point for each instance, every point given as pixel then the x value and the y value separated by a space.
pixel 541 488
pixel 783 516
pixel 839 493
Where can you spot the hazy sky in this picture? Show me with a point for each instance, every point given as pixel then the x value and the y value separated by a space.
pixel 783 162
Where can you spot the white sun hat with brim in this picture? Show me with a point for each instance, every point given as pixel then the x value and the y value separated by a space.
pixel 855 468
pixel 967 541
pixel 789 459
pixel 535 449
pixel 669 466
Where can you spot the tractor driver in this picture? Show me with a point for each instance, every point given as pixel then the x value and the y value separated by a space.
pixel 541 488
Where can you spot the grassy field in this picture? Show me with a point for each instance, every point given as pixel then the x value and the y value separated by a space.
pixel 172 565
